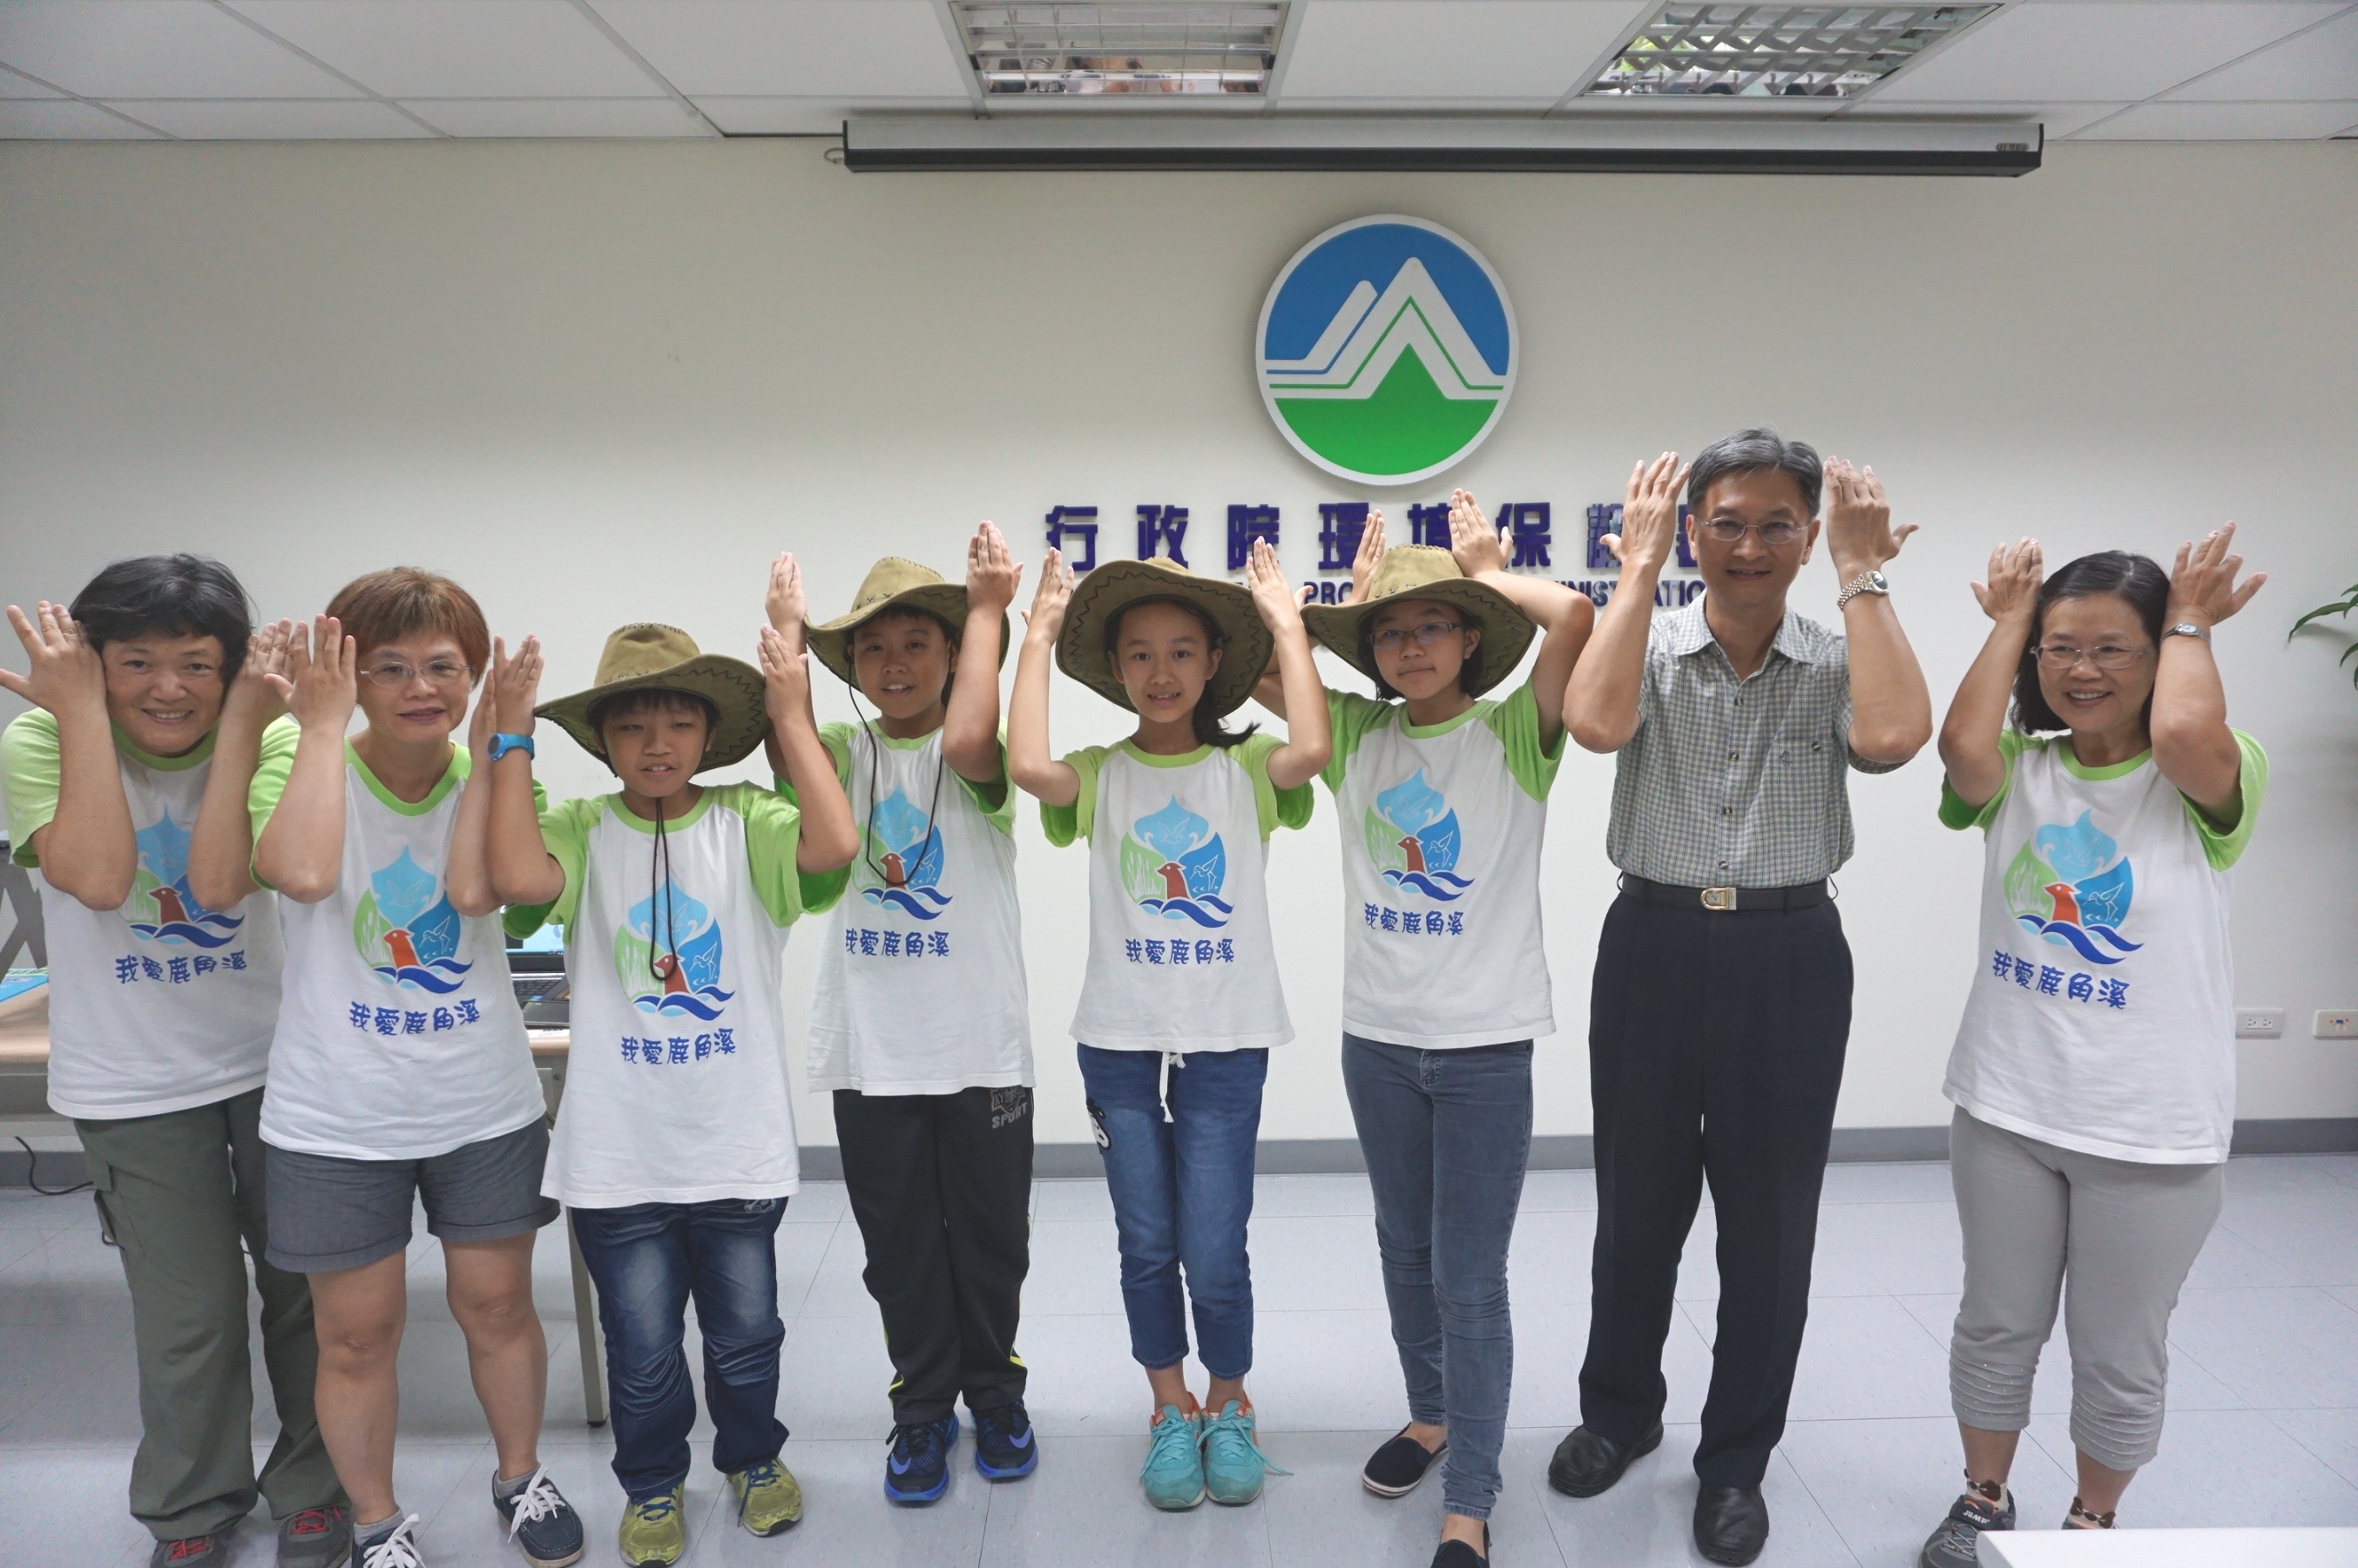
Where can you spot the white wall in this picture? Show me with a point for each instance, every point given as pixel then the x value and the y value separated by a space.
pixel 604 382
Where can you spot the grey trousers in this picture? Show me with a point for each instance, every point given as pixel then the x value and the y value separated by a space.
pixel 2122 1234
pixel 182 1194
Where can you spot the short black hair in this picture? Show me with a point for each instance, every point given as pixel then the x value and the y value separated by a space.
pixel 1209 730
pixel 907 612
pixel 170 596
pixel 1755 451
pixel 2138 579
pixel 652 698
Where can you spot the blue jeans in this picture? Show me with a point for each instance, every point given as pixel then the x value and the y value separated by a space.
pixel 647 1261
pixel 1447 1134
pixel 1179 1164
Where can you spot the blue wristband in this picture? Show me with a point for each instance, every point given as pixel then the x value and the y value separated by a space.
pixel 502 744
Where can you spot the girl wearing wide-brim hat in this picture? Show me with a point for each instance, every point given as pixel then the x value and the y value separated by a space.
pixel 1443 798
pixel 921 1024
pixel 1181 968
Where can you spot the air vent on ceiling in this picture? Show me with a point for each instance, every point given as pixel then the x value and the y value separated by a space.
pixel 1775 51
pixel 1108 49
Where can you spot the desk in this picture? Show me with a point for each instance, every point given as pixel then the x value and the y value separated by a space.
pixel 23 1076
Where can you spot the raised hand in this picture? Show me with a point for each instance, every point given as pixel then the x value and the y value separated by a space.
pixel 1478 546
pixel 514 686
pixel 321 684
pixel 784 600
pixel 65 672
pixel 2202 588
pixel 992 572
pixel 1370 556
pixel 786 669
pixel 1272 595
pixel 2015 573
pixel 253 699
pixel 1859 534
pixel 1046 616
pixel 1649 513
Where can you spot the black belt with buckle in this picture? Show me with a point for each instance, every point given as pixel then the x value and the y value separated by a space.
pixel 1727 900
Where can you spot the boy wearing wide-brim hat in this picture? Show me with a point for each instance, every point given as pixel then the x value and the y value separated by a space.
pixel 1442 797
pixel 675 1143
pixel 921 1025
pixel 1181 961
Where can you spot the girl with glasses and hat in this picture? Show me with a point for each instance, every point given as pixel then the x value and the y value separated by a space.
pixel 1442 797
pixel 1181 1002
pixel 675 1143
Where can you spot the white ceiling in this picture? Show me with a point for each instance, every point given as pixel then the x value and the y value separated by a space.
pixel 213 69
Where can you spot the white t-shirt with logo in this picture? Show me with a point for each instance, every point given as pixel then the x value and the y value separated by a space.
pixel 2102 1012
pixel 921 982
pixel 676 1086
pixel 162 1004
pixel 1180 956
pixel 1443 824
pixel 399 1036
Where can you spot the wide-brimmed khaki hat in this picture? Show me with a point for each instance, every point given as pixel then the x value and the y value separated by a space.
pixel 651 657
pixel 892 583
pixel 1104 593
pixel 1423 571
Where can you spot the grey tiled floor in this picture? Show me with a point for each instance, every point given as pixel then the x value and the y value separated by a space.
pixel 2263 1426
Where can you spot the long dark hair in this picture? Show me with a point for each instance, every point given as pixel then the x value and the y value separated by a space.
pixel 1209 730
pixel 2135 578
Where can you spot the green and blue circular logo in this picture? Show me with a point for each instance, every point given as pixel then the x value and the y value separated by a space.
pixel 1387 349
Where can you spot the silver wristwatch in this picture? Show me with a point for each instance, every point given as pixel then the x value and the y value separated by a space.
pixel 1866 582
pixel 2186 629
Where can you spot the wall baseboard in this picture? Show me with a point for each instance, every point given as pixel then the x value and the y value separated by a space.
pixel 1338 1156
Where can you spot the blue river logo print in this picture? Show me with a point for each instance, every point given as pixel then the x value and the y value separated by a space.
pixel 905 851
pixel 1413 838
pixel 2072 886
pixel 161 908
pixel 1175 866
pixel 665 923
pixel 407 931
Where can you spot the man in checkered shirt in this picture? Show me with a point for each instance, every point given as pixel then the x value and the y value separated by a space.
pixel 1721 1005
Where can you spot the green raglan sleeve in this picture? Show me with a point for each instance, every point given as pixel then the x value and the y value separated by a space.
pixel 277 761
pixel 773 831
pixel 1063 824
pixel 565 833
pixel 30 770
pixel 1516 723
pixel 820 890
pixel 2222 847
pixel 1956 813
pixel 1350 716
pixel 995 798
pixel 1276 807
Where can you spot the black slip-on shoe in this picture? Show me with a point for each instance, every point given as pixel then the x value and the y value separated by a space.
pixel 1731 1524
pixel 1458 1554
pixel 1395 1469
pixel 1588 1463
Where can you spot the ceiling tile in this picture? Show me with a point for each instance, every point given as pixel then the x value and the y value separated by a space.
pixel 810 116
pixel 459 48
pixel 2072 51
pixel 269 121
pixel 2226 122
pixel 2060 119
pixel 866 48
pixel 1476 51
pixel 612 117
pixel 153 49
pixel 62 119
pixel 2323 63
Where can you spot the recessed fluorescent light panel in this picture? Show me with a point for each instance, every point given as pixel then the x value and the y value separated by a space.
pixel 1775 51
pixel 1127 50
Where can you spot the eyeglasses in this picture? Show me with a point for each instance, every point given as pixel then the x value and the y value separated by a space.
pixel 441 672
pixel 1391 639
pixel 2062 656
pixel 1728 531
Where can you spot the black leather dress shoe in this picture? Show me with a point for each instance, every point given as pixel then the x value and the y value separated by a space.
pixel 1731 1524
pixel 1587 1463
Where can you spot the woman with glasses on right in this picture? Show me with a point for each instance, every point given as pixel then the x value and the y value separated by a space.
pixel 2095 1071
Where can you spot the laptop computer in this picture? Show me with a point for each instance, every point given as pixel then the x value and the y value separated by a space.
pixel 537 969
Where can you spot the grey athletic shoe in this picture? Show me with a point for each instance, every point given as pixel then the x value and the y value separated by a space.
pixel 1957 1542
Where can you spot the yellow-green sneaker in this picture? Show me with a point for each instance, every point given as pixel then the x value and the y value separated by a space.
pixel 654 1531
pixel 769 1499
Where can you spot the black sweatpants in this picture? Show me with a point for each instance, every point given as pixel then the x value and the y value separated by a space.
pixel 1715 1051
pixel 941 1185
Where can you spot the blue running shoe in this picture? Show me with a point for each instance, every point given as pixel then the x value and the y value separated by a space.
pixel 1003 1448
pixel 1233 1463
pixel 1174 1472
pixel 918 1470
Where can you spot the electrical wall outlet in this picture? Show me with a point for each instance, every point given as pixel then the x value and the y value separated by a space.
pixel 2339 1024
pixel 2259 1022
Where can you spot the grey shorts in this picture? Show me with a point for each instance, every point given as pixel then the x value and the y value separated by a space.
pixel 328 1214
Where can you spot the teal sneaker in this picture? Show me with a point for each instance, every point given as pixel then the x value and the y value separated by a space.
pixel 1233 1463
pixel 1173 1474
